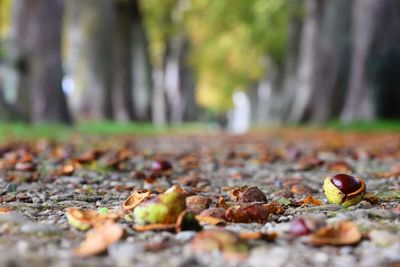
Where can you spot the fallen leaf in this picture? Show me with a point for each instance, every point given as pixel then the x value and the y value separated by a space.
pixel 5 210
pixel 221 203
pixel 389 195
pixel 284 201
pixel 340 167
pixel 307 164
pixel 211 220
pixel 341 234
pixel 98 240
pixel 85 219
pixel 310 200
pixel 155 227
pixel 252 213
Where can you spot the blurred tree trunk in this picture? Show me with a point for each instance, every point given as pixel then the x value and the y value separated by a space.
pixel 187 85
pixel 289 69
pixel 359 104
pixel 38 41
pixel 383 65
pixel 318 93
pixel 333 55
pixel 122 85
pixel 158 107
pixel 141 68
pixel 172 79
pixel 308 60
pixel 88 38
pixel 9 111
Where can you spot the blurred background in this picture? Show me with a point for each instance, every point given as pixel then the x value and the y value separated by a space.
pixel 165 62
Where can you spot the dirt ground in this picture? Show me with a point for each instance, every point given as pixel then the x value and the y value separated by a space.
pixel 285 221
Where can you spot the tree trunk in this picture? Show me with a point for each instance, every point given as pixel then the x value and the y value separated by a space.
pixel 308 61
pixel 172 79
pixel 88 28
pixel 141 68
pixel 187 85
pixel 38 39
pixel 383 65
pixel 333 55
pixel 159 110
pixel 122 96
pixel 358 103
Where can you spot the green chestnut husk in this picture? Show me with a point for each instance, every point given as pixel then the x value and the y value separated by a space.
pixel 336 196
pixel 163 209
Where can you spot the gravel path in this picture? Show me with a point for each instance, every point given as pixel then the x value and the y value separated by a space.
pixel 286 165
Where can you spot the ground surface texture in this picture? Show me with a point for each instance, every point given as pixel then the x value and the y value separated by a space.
pixel 40 180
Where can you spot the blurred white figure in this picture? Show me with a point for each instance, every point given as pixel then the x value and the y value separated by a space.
pixel 241 114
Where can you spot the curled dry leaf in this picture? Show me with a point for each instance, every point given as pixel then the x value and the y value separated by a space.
pixel 227 242
pixel 137 197
pixel 85 219
pixel 212 216
pixel 340 167
pixel 98 240
pixel 307 164
pixel 65 170
pixel 341 234
pixel 221 203
pixel 155 227
pixel 88 156
pixel 253 213
pixel 310 200
pixel 5 210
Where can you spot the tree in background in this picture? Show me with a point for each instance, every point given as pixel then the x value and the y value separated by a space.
pixel 88 27
pixel 38 43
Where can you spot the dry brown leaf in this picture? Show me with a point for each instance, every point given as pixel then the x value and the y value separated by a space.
pixel 98 240
pixel 341 234
pixel 210 220
pixel 340 167
pixel 253 213
pixel 5 210
pixel 221 203
pixel 85 219
pixel 310 200
pixel 155 227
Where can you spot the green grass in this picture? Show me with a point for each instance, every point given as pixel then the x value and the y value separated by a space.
pixel 366 126
pixel 12 131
